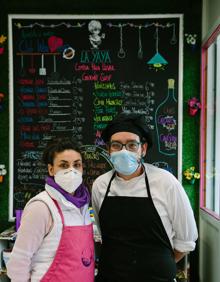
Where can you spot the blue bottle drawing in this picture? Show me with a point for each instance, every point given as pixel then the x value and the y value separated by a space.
pixel 166 122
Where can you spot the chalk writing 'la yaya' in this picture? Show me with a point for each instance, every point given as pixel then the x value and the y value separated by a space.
pixel 95 56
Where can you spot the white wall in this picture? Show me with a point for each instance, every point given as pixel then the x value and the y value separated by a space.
pixel 209 239
pixel 210 17
pixel 209 248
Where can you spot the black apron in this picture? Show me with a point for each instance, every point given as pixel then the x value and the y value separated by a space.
pixel 135 245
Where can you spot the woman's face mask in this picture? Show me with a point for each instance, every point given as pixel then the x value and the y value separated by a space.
pixel 125 162
pixel 68 179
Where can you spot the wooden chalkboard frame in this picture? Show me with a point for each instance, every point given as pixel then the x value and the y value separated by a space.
pixel 154 17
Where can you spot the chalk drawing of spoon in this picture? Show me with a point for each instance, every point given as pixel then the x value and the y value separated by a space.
pixel 121 52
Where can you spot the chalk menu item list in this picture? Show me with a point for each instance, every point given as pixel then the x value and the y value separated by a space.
pixel 71 76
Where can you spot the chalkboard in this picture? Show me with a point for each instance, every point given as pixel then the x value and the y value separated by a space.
pixel 70 75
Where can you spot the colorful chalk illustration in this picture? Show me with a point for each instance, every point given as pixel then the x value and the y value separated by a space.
pixel 157 62
pixel 166 123
pixel 95 37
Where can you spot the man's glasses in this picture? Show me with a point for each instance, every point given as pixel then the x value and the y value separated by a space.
pixel 132 146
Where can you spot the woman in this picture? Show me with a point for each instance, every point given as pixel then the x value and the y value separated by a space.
pixel 55 239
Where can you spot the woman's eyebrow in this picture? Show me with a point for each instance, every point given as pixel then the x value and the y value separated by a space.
pixel 79 160
pixel 63 161
pixel 75 161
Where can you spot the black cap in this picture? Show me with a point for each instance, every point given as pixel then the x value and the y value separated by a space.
pixel 129 122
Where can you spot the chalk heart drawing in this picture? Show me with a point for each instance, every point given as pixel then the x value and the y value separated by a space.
pixel 54 43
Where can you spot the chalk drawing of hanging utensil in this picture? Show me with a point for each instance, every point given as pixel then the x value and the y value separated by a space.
pixel 54 75
pixel 42 69
pixel 121 52
pixel 32 69
pixel 22 71
pixel 140 50
pixel 173 40
pixel 157 62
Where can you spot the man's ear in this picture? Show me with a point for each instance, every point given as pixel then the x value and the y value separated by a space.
pixel 144 150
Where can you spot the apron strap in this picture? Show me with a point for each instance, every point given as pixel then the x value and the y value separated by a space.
pixel 148 186
pixel 107 190
pixel 59 210
pixel 109 185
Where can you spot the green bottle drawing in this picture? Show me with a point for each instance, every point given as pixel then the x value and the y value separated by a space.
pixel 166 122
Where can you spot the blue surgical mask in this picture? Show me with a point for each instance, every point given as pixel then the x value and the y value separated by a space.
pixel 125 162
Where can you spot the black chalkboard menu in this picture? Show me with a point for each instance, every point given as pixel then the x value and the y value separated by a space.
pixel 70 75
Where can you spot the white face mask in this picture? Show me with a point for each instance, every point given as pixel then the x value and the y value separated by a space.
pixel 68 179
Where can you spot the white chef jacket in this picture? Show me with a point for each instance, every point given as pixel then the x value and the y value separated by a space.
pixel 169 198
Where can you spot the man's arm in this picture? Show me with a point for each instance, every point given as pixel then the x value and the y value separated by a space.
pixel 178 255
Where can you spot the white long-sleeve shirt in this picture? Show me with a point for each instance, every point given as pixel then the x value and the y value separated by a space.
pixel 39 235
pixel 169 198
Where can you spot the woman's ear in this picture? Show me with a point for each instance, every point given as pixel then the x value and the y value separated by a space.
pixel 50 169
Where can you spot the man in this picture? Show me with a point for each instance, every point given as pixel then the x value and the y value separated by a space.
pixel 145 217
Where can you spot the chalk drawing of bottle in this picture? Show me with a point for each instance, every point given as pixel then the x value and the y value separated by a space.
pixel 166 122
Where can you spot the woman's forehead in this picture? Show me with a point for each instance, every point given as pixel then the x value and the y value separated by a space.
pixel 67 155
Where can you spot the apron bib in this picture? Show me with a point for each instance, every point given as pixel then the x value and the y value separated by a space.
pixel 74 259
pixel 135 245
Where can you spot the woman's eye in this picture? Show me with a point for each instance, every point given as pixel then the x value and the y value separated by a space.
pixel 77 165
pixel 64 165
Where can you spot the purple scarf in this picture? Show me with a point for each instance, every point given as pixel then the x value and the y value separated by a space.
pixel 80 197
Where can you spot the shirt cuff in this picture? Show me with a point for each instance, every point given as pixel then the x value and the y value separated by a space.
pixel 184 246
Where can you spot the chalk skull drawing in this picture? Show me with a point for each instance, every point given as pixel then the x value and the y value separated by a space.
pixel 95 37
